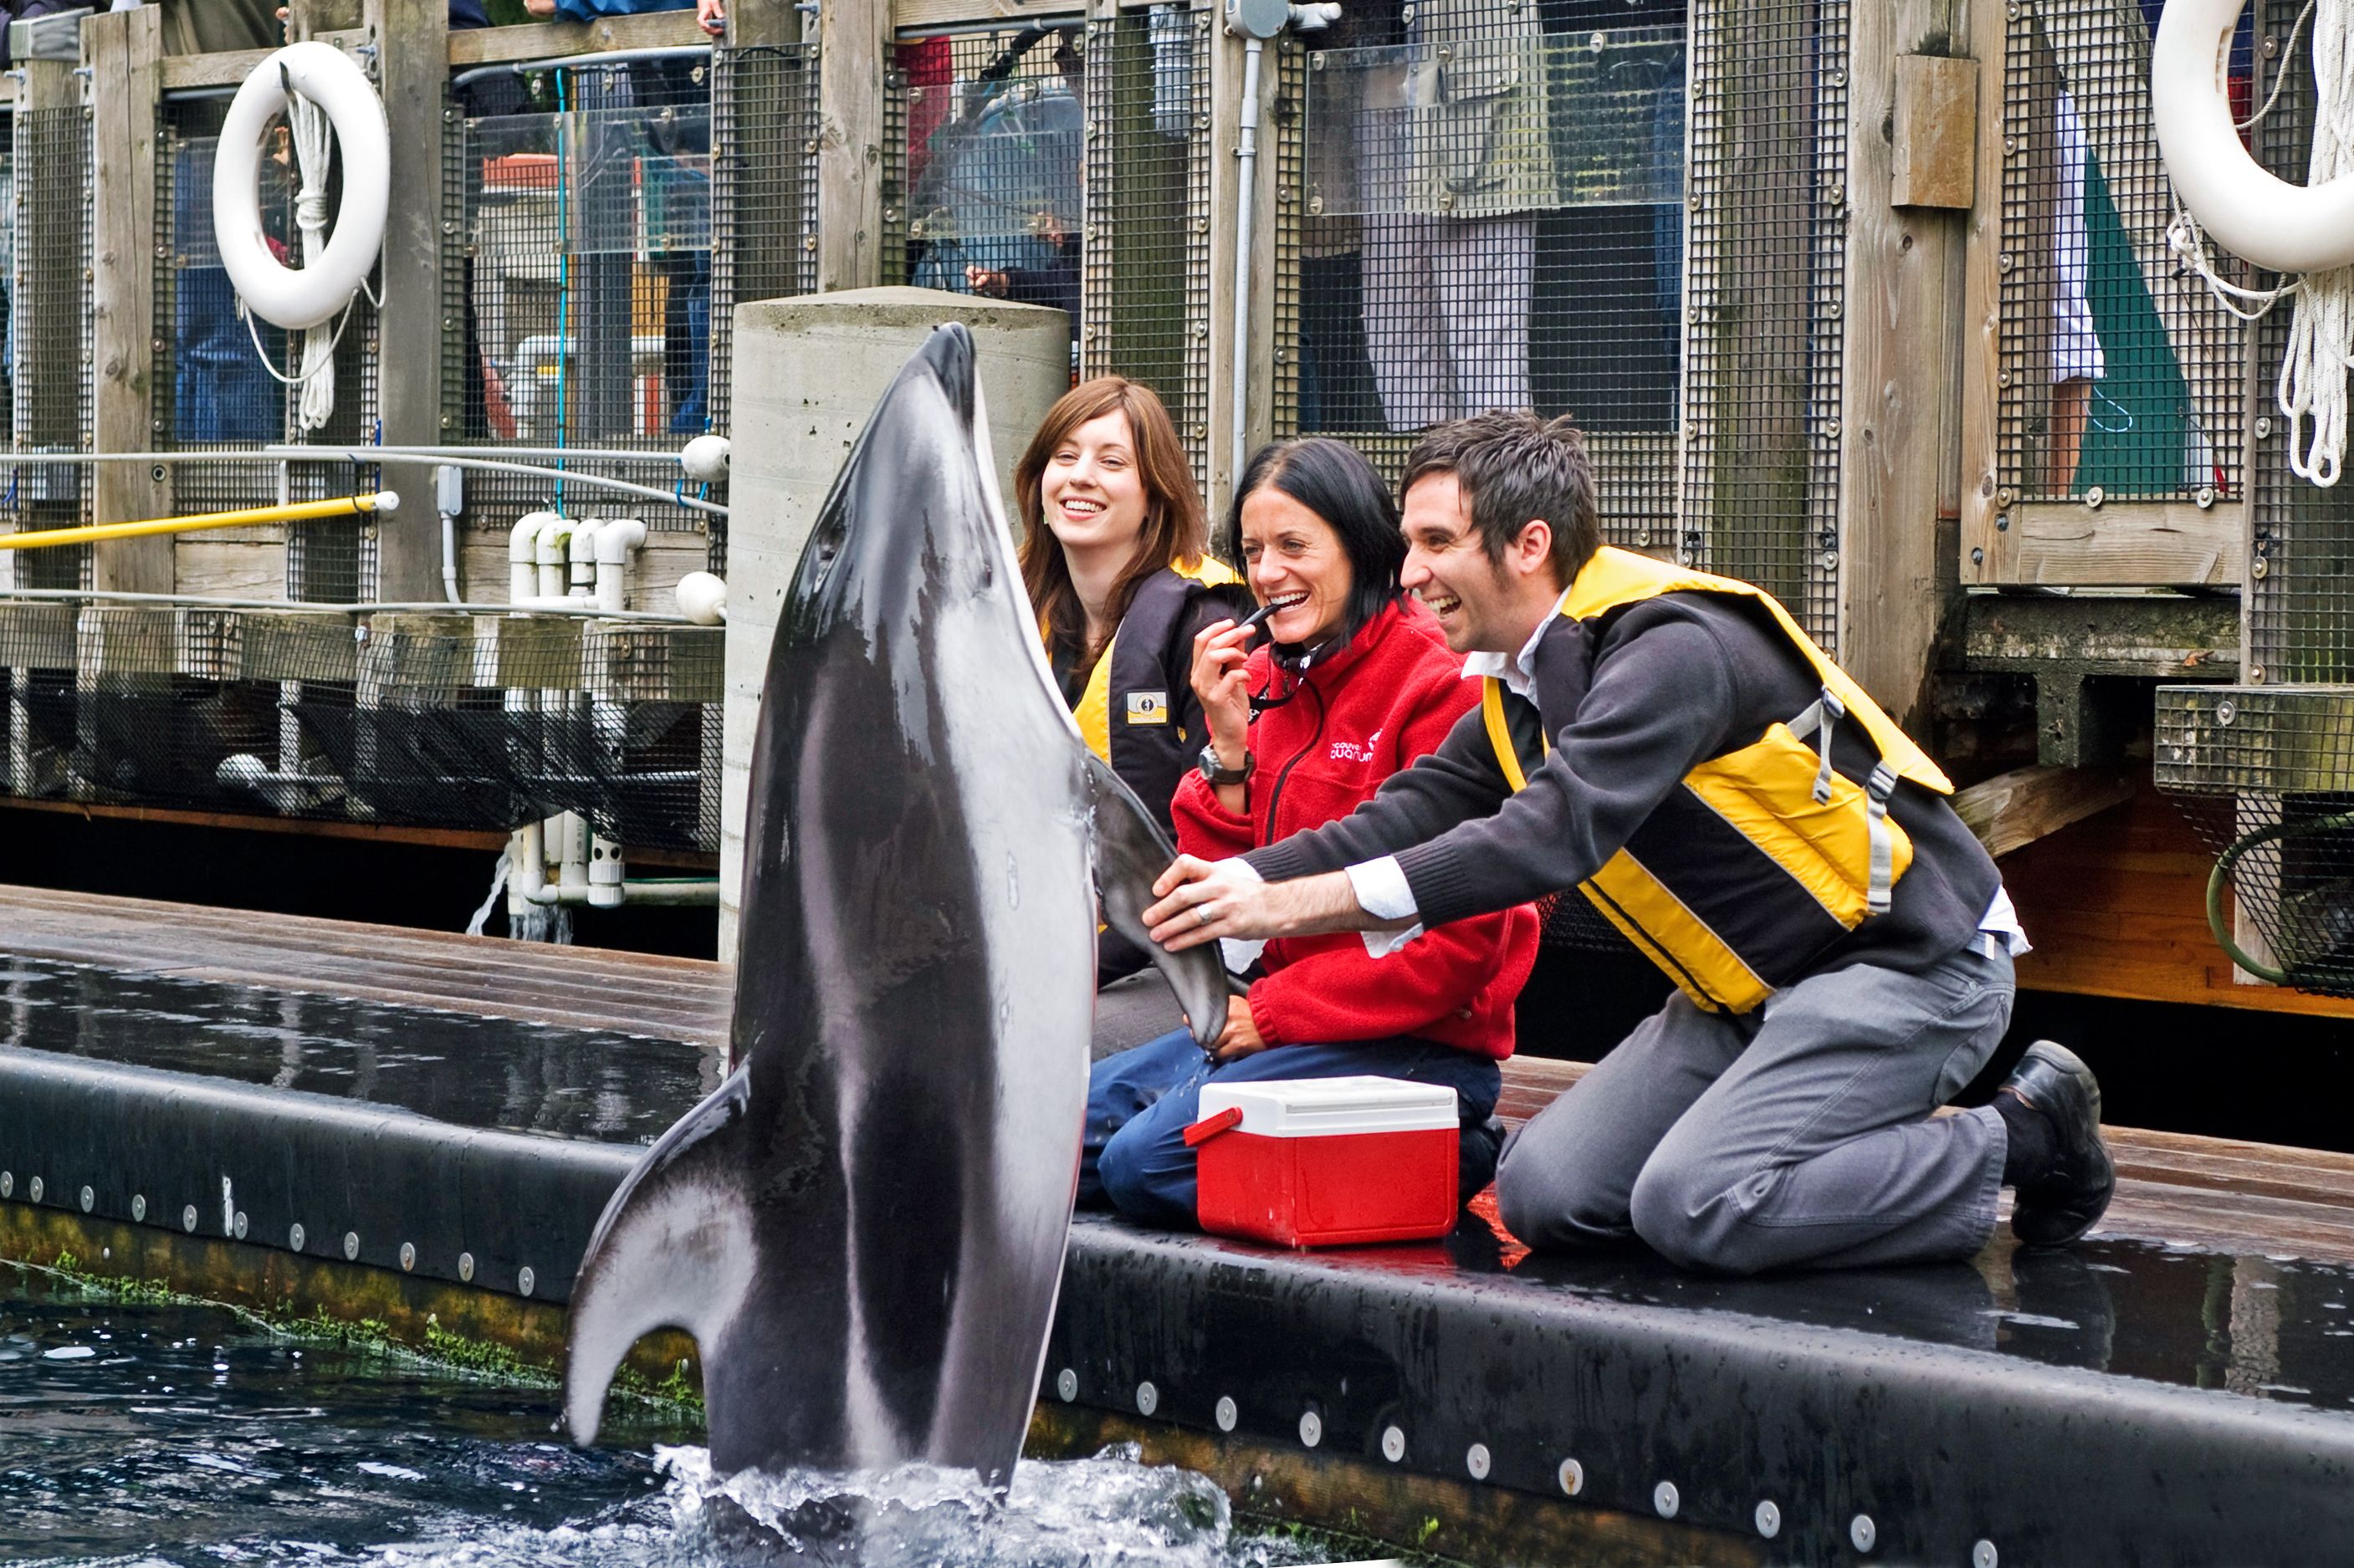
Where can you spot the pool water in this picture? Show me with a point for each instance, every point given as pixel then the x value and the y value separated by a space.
pixel 142 1434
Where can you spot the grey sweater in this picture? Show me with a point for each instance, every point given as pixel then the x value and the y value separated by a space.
pixel 1666 684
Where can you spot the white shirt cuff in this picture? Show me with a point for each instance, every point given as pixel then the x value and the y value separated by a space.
pixel 1382 892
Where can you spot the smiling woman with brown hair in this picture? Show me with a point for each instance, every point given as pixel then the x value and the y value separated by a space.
pixel 1115 554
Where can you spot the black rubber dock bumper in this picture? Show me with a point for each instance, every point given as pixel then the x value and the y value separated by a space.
pixel 1718 1404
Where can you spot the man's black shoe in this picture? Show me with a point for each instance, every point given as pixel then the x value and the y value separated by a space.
pixel 2064 1201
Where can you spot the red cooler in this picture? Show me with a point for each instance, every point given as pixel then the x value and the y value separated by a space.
pixel 1327 1162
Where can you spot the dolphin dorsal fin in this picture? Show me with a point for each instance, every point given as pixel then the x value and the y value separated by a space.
pixel 1130 850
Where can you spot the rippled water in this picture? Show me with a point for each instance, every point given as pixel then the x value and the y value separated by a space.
pixel 139 1434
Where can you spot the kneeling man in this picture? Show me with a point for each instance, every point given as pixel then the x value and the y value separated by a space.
pixel 1673 745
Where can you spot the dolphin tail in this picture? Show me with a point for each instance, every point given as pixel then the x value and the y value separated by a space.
pixel 1130 852
pixel 673 1250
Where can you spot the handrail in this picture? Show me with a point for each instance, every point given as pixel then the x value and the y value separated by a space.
pixel 583 610
pixel 289 511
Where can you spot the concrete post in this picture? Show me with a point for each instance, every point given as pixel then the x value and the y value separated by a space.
pixel 807 371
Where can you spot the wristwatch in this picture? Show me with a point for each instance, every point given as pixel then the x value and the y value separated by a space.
pixel 1217 772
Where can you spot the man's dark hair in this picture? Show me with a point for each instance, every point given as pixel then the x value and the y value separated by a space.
pixel 1515 467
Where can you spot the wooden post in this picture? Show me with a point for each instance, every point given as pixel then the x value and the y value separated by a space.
pixel 411 38
pixel 754 23
pixel 123 51
pixel 1904 339
pixel 854 52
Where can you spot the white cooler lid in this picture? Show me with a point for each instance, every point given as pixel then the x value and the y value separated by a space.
pixel 1322 1107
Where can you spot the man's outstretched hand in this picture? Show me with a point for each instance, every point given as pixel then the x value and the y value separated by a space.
pixel 1204 900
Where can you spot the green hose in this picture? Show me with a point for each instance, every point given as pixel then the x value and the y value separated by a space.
pixel 2220 878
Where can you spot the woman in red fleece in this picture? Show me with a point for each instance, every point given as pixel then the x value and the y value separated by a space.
pixel 1353 683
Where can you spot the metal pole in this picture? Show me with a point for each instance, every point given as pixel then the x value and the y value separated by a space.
pixel 296 512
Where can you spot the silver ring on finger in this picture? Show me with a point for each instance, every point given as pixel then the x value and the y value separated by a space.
pixel 1200 914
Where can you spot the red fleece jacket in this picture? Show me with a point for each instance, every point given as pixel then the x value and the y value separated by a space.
pixel 1390 697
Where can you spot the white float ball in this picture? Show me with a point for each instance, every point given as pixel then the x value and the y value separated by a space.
pixel 701 598
pixel 704 459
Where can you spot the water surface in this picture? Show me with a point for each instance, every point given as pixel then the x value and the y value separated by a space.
pixel 141 1435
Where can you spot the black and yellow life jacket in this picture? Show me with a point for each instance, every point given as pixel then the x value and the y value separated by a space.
pixel 1764 856
pixel 1129 710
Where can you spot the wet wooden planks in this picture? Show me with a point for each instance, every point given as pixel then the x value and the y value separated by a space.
pixel 2213 1192
pixel 582 988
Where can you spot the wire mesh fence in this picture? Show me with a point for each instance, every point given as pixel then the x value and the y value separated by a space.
pixel 1765 292
pixel 2118 377
pixel 1492 218
pixel 1147 260
pixel 50 336
pixel 423 719
pixel 2300 596
pixel 988 127
pixel 2266 774
pixel 612 216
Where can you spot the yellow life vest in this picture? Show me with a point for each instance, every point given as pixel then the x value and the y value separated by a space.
pixel 1765 855
pixel 1093 712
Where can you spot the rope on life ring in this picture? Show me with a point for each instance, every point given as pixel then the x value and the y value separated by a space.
pixel 318 88
pixel 2305 229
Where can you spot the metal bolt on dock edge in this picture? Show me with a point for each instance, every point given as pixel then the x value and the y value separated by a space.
pixel 1148 1399
pixel 1393 1444
pixel 350 1246
pixel 1475 1461
pixel 1228 1413
pixel 1067 1383
pixel 1572 1476
pixel 466 1267
pixel 238 1225
pixel 294 1237
pixel 526 1280
pixel 1666 1499
pixel 1769 1519
pixel 1862 1531
pixel 139 1206
pixel 188 1219
pixel 89 1200
pixel 1983 1555
pixel 408 1256
pixel 1312 1429
pixel 36 1190
pixel 7 1183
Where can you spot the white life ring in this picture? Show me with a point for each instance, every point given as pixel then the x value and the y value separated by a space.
pixel 2251 213
pixel 298 298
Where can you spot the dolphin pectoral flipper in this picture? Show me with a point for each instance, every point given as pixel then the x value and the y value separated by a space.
pixel 672 1250
pixel 1130 852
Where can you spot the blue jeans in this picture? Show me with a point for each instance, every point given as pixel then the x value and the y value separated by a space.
pixel 1141 1102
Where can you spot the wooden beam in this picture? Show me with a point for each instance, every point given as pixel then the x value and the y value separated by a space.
pixel 1979 544
pixel 854 52
pixel 123 52
pixel 2017 807
pixel 1903 335
pixel 762 23
pixel 1936 117
pixel 412 40
pixel 545 40
pixel 2123 543
pixel 225 69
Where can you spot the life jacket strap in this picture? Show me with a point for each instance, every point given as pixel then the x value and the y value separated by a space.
pixel 1876 790
pixel 1821 713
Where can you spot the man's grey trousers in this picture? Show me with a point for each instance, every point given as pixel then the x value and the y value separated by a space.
pixel 1797 1134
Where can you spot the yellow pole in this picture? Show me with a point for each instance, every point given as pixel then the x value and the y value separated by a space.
pixel 383 501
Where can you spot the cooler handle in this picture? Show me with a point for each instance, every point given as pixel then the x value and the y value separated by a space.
pixel 1209 1127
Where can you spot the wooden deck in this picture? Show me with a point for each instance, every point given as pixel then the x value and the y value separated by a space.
pixel 2172 1188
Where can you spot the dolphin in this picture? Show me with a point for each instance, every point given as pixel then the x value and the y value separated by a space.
pixel 862 1227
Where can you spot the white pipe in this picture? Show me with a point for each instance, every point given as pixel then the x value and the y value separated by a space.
pixel 450 498
pixel 651 891
pixel 1245 212
pixel 605 875
pixel 581 578
pixel 615 541
pixel 572 868
pixel 551 549
pixel 521 551
pixel 528 877
pixel 563 606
